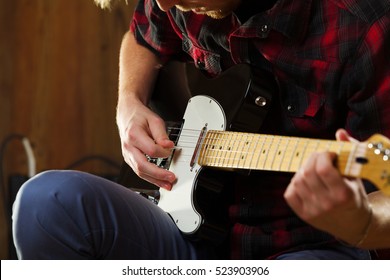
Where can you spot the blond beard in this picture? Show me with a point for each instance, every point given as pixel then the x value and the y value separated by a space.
pixel 217 14
pixel 106 4
pixel 213 14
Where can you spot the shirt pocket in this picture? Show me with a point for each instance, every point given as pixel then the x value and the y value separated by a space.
pixel 300 103
pixel 206 61
pixel 305 108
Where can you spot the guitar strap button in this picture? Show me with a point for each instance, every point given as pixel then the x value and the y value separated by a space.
pixel 260 101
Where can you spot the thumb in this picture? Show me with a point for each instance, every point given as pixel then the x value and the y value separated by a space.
pixel 343 135
pixel 159 134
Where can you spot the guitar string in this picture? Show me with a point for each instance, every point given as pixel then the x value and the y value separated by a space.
pixel 191 134
pixel 303 140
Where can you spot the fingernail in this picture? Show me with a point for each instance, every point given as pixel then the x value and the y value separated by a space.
pixel 170 178
pixel 166 186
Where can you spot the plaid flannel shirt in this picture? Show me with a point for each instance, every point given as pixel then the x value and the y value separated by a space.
pixel 331 60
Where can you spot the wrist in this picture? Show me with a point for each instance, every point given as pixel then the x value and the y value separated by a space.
pixel 366 229
pixel 358 241
pixel 127 106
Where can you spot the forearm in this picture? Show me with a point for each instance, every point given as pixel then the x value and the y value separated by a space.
pixel 138 69
pixel 141 130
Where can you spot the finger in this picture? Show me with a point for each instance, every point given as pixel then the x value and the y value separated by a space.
pixel 307 204
pixel 142 140
pixel 159 133
pixel 338 190
pixel 325 169
pixel 159 183
pixel 149 171
pixel 310 177
pixel 343 135
pixel 314 193
pixel 294 200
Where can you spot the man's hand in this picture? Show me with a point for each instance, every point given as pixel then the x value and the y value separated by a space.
pixel 142 133
pixel 323 198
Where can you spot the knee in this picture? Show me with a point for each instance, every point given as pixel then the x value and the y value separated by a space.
pixel 48 190
pixel 44 186
pixel 45 206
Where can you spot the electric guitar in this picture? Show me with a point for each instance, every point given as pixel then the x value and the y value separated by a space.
pixel 203 142
pixel 208 144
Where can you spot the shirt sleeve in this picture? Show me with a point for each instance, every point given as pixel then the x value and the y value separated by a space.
pixel 152 28
pixel 368 83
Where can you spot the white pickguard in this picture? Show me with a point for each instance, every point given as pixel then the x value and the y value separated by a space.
pixel 201 111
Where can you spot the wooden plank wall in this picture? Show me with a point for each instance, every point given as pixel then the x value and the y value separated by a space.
pixel 58 85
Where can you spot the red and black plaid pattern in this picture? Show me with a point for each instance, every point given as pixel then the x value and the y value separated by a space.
pixel 331 60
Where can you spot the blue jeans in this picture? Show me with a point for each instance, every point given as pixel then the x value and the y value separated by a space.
pixel 76 215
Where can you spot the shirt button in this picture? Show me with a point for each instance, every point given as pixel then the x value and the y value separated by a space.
pixel 264 28
pixel 290 108
pixel 200 64
pixel 260 101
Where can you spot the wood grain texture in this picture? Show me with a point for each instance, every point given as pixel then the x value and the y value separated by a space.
pixel 58 85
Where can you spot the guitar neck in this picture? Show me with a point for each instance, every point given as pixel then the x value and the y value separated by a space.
pixel 237 150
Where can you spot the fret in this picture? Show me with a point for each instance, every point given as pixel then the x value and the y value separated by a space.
pixel 230 150
pixel 337 147
pixel 247 154
pixel 255 142
pixel 233 152
pixel 239 152
pixel 273 152
pixel 205 150
pixel 217 148
pixel 310 148
pixel 350 160
pixel 289 155
pixel 306 147
pixel 224 149
pixel 213 144
pixel 257 152
pixel 298 156
pixel 324 145
pixel 240 156
pixel 344 161
pixel 265 152
pixel 220 146
pixel 356 167
pixel 279 158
